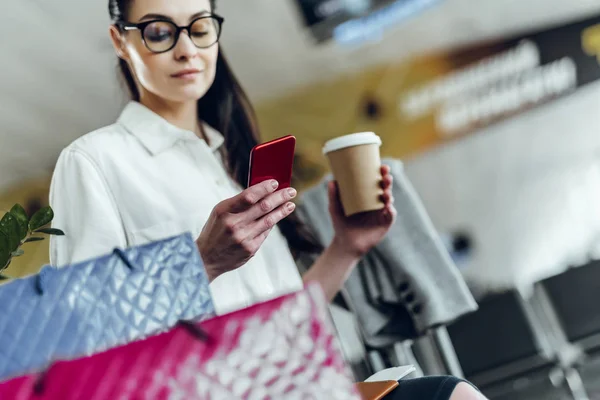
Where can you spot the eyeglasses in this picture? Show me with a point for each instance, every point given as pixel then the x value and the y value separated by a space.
pixel 160 35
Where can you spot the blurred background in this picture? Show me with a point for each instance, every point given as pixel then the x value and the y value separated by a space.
pixel 492 105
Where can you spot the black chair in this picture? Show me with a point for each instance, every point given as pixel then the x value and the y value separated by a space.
pixel 515 336
pixel 496 342
pixel 575 295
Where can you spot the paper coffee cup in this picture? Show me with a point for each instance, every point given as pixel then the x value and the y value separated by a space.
pixel 356 166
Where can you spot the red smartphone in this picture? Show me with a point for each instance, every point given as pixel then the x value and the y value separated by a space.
pixel 273 160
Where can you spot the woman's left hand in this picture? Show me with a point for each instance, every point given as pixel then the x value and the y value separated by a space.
pixel 359 233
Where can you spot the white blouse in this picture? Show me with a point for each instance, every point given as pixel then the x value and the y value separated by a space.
pixel 143 179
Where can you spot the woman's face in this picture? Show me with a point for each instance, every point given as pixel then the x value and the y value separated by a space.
pixel 182 74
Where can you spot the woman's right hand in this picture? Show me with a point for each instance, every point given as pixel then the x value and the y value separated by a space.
pixel 238 226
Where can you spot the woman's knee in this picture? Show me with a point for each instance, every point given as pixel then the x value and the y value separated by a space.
pixel 464 391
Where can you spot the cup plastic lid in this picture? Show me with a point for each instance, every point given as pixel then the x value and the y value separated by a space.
pixel 354 139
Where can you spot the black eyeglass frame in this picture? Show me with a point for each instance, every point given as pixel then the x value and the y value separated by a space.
pixel 130 26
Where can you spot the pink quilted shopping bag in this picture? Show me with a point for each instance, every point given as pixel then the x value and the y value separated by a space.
pixel 281 349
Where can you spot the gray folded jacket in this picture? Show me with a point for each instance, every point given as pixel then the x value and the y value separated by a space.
pixel 408 283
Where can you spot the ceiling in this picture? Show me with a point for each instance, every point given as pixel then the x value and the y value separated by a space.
pixel 59 80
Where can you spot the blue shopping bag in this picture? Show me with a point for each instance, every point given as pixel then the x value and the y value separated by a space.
pixel 86 308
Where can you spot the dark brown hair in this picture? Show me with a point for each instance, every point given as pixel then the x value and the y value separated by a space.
pixel 226 108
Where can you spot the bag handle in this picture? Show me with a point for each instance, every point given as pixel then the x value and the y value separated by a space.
pixel 195 331
pixel 42 276
pixel 123 257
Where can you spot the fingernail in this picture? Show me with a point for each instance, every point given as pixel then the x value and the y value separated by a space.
pixel 292 192
pixel 290 206
pixel 274 184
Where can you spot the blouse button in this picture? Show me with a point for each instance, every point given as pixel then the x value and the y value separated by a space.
pixel 417 309
pixel 404 287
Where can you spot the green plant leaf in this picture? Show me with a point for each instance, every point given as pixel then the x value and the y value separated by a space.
pixel 21 215
pixel 50 231
pixel 41 218
pixel 19 212
pixel 18 253
pixel 34 239
pixel 10 226
pixel 4 250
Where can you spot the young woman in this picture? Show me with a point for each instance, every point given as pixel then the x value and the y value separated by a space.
pixel 177 161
